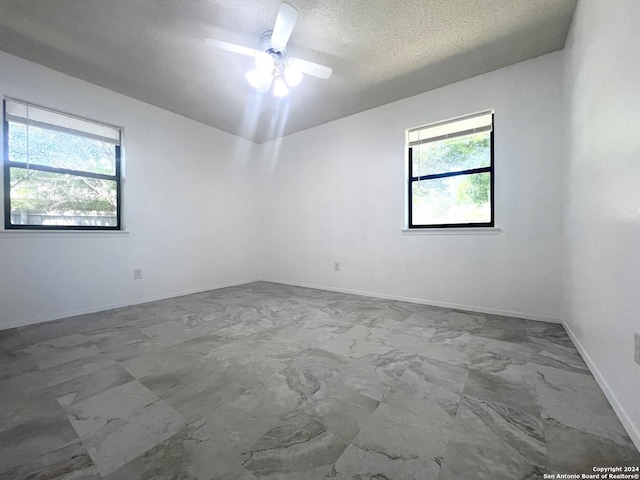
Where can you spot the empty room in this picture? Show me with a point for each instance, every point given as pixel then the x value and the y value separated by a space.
pixel 320 240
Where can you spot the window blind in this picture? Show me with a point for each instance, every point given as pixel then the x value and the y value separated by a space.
pixel 480 122
pixel 32 115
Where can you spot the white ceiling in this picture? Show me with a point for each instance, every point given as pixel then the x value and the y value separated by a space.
pixel 380 51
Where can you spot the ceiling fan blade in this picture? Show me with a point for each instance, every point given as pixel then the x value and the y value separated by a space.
pixel 232 47
pixel 310 68
pixel 287 16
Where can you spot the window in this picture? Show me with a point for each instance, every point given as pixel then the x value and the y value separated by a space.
pixel 60 171
pixel 450 181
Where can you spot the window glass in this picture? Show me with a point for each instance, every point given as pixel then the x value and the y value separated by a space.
pixel 451 173
pixel 452 200
pixel 42 146
pixel 452 155
pixel 60 171
pixel 45 198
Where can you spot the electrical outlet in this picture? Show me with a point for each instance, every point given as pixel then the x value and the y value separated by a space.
pixel 336 266
pixel 137 274
pixel 637 349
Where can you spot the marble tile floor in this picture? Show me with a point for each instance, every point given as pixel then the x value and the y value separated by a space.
pixel 266 381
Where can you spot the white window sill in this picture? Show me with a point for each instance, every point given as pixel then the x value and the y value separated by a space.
pixel 20 233
pixel 453 231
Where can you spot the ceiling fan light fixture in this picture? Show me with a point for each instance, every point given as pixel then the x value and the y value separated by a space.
pixel 292 75
pixel 272 66
pixel 264 62
pixel 259 80
pixel 280 88
pixel 253 77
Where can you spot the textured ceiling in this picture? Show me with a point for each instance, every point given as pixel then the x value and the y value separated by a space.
pixel 380 51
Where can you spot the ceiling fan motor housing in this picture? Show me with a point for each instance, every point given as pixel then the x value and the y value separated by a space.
pixel 267 47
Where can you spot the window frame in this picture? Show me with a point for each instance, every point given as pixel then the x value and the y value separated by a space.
pixel 7 165
pixel 490 169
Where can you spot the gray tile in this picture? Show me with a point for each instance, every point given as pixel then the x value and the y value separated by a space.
pixel 409 338
pixel 269 397
pixel 310 330
pixel 378 313
pixel 513 386
pixel 458 320
pixel 320 472
pixel 425 315
pixel 366 464
pixel 475 337
pixel 423 399
pixel 65 372
pixel 395 436
pixel 280 382
pixel 121 423
pixel 577 452
pixel 552 353
pixel 72 466
pixel 49 330
pixel 576 401
pixel 136 316
pixel 14 363
pixel 490 355
pixel 46 447
pixel 452 354
pixel 399 433
pixel 260 348
pixel 196 391
pixel 473 322
pixel 343 416
pixel 242 323
pixel 92 323
pixel 24 399
pixel 114 445
pixel 50 353
pixel 503 334
pixel 300 447
pixel 333 374
pixel 82 387
pixel 205 449
pixel 443 374
pixel 169 333
pixel 200 312
pixel 11 340
pixel 117 339
pixel 551 332
pixel 358 342
pixel 388 368
pixel 200 347
pixel 485 341
pixel 158 361
pixel 501 321
pixel 494 441
pixel 130 347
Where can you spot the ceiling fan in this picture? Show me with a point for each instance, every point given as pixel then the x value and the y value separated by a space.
pixel 273 67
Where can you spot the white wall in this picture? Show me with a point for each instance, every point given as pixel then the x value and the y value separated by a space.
pixel 337 193
pixel 602 227
pixel 189 207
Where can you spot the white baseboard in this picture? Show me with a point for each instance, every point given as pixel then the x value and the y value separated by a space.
pixel 631 428
pixel 422 301
pixel 456 306
pixel 102 308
